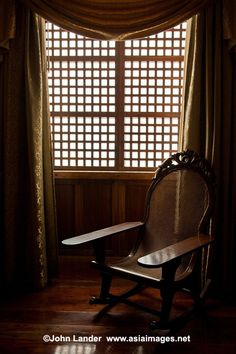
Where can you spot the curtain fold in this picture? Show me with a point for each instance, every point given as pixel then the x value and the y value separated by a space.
pixel 7 22
pixel 208 126
pixel 112 19
pixel 229 23
pixel 28 238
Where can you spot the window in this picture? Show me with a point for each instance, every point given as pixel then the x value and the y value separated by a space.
pixel 114 105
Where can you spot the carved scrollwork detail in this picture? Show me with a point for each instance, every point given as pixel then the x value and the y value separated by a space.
pixel 186 159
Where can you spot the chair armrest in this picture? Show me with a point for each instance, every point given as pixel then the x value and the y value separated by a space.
pixel 175 251
pixel 95 235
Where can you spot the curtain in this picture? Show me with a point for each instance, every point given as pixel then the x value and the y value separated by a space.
pixel 229 23
pixel 208 125
pixel 28 227
pixel 112 19
pixel 7 22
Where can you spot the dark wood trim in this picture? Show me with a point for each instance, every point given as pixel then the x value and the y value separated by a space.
pixel 103 175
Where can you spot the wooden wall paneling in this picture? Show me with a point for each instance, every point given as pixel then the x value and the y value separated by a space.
pixel 85 205
pixel 80 227
pixel 78 208
pixel 65 211
pixel 97 211
pixel 135 199
pixel 135 194
pixel 118 202
pixel 118 215
pixel 96 205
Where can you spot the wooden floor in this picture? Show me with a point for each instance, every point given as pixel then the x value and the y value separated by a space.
pixel 61 313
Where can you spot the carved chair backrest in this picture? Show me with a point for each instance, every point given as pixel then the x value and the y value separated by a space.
pixel 179 202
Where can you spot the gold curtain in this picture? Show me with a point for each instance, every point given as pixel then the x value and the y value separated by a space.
pixel 7 22
pixel 208 126
pixel 229 23
pixel 112 19
pixel 28 239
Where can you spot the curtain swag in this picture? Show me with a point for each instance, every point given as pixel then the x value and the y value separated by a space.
pixel 117 20
pixel 112 19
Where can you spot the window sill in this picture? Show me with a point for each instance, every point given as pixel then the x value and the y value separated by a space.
pixel 104 175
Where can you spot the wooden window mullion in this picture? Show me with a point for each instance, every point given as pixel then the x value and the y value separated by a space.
pixel 120 105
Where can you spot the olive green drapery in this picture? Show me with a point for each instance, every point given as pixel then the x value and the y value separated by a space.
pixel 28 232
pixel 209 123
pixel 112 19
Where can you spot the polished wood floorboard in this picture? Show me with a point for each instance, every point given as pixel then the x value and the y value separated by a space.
pixel 62 310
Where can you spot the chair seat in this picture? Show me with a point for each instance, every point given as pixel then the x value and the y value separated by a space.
pixel 130 266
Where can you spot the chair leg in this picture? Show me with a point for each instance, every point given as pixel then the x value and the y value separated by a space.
pixel 167 294
pixel 195 293
pixel 196 287
pixel 104 297
pixel 167 299
pixel 166 308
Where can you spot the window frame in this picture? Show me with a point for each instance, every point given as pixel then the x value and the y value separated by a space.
pixel 119 114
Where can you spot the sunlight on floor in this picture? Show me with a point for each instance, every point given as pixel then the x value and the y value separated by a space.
pixel 76 349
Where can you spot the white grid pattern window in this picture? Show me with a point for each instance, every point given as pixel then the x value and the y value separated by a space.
pixel 114 105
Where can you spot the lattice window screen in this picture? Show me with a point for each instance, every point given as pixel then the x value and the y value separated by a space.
pixel 114 105
pixel 153 84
